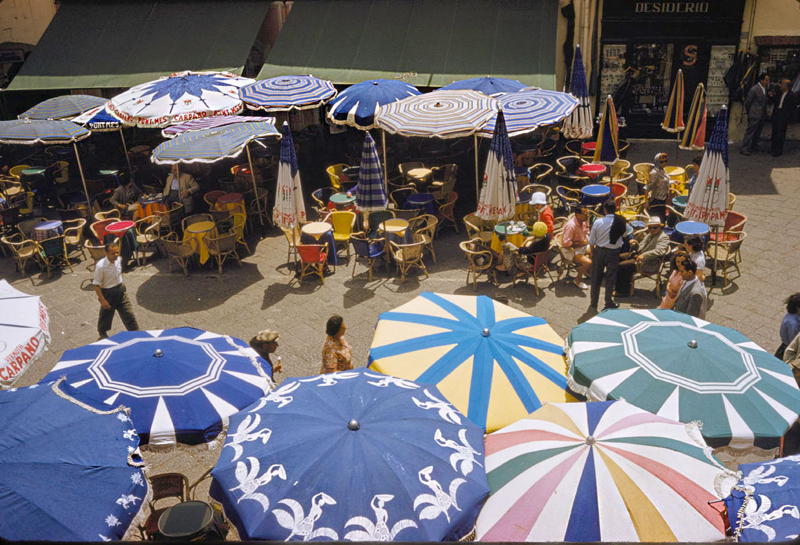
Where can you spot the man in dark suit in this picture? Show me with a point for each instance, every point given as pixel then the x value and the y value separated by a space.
pixel 692 298
pixel 781 116
pixel 756 107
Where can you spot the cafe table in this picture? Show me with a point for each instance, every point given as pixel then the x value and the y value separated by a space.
pixel 679 203
pixel 595 194
pixel 127 234
pixel 593 171
pixel 320 232
pixel 47 229
pixel 191 521
pixel 231 201
pixel 149 205
pixel 397 231
pixel 199 231
pixel 342 200
pixel 421 200
pixel 420 175
pixel 514 231
pixel 588 147
pixel 685 229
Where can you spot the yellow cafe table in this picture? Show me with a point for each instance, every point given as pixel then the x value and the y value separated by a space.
pixel 198 231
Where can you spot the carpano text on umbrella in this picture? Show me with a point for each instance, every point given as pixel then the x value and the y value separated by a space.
pixel 18 359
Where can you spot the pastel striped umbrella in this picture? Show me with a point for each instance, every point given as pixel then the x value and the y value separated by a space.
pixel 212 145
pixel 29 132
pixel 673 117
pixel 357 105
pixel 498 198
pixel 686 369
pixel 486 85
pixel 604 471
pixel 694 137
pixel 443 114
pixel 370 191
pixel 284 93
pixel 210 123
pixel 607 149
pixel 531 108
pixel 289 209
pixel 579 123
pixel 494 363
pixel 62 107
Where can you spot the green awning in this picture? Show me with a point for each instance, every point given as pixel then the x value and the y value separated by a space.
pixel 103 44
pixel 426 42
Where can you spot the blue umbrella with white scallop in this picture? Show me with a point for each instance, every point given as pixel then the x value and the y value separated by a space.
pixel 357 105
pixel 181 384
pixel 353 455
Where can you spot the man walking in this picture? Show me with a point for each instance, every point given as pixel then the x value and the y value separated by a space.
pixel 605 239
pixel 781 116
pixel 692 298
pixel 111 292
pixel 756 107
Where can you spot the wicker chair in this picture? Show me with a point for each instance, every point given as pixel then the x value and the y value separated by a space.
pixel 73 235
pixel 407 256
pixel 107 215
pixel 24 250
pixel 98 228
pixel 211 197
pixel 446 211
pixel 179 250
pixel 424 228
pixel 367 249
pixel 195 218
pixel 540 173
pixel 443 183
pixel 476 227
pixel 322 197
pixel 526 270
pixel 171 219
pixel 480 261
pixel 96 251
pixel 405 167
pixel 725 255
pixel 147 234
pixel 223 247
pixel 399 196
pixel 25 227
pixel 313 258
pixel 54 254
pixel 293 239
pixel 655 275
pixel 164 486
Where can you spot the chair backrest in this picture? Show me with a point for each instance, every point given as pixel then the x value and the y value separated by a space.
pixel 292 234
pixel 53 247
pixel 642 171
pixel 399 196
pixel 570 164
pixel 9 216
pixel 107 214
pixel 408 252
pixel 342 221
pixel 25 227
pixel 407 213
pixel 169 485
pixel 731 200
pixel 222 244
pixel 376 218
pixel 734 221
pixel 61 174
pixel 335 175
pixel 16 171
pixel 98 228
pixel 360 244
pixel 311 253
pixel 530 189
pixel 424 223
pixel 211 197
pixel 323 195
pixel 196 218
pixel 540 173
pixel 574 147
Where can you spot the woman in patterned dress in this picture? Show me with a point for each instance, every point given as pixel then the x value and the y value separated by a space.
pixel 336 352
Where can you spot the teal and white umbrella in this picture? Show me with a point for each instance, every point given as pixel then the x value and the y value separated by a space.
pixel 690 370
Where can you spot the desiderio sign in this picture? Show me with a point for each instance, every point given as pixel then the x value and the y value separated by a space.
pixel 672 7
pixel 688 10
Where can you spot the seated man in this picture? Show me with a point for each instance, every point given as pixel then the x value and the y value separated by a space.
pixel 575 244
pixel 692 298
pixel 125 199
pixel 179 188
pixel 646 254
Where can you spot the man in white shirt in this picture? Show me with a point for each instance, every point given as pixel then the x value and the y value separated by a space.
pixel 111 292
pixel 606 240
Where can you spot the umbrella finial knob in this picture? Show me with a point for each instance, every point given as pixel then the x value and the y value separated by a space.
pixel 692 344
pixel 590 440
pixel 158 353
pixel 353 425
pixel 485 332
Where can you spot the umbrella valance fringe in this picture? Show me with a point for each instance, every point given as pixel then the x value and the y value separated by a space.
pixel 45 141
pixel 253 360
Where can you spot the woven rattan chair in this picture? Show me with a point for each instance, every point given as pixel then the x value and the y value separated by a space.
pixel 24 251
pixel 526 270
pixel 96 251
pixel 446 212
pixel 147 235
pixel 313 258
pixel 54 254
pixel 223 247
pixel 407 256
pixel 424 228
pixel 292 239
pixel 165 486
pixel 178 250
pixel 480 261
pixel 73 235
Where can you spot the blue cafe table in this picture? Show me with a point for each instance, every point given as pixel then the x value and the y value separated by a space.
pixel 595 194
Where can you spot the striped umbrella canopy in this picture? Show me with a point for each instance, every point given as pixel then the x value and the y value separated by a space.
pixel 357 105
pixel 486 85
pixel 284 93
pixel 604 471
pixel 527 110
pixel 708 202
pixel 492 362
pixel 35 131
pixel 289 206
pixel 98 119
pixel 694 137
pixel 62 107
pixel 211 145
pixel 607 148
pixel 443 114
pixel 181 384
pixel 686 369
pixel 210 123
pixel 579 124
pixel 498 198
pixel 673 117
pixel 179 97
pixel 370 191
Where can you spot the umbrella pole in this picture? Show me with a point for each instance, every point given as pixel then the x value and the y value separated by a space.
pixel 83 178
pixel 255 187
pixel 477 185
pixel 716 248
pixel 385 172
pixel 125 147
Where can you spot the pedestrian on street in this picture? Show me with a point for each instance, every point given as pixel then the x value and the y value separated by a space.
pixel 336 352
pixel 756 107
pixel 265 343
pixel 692 298
pixel 790 325
pixel 111 292
pixel 785 105
pixel 792 357
pixel 658 187
pixel 605 239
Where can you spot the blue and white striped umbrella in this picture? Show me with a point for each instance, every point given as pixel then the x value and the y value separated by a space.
pixel 283 93
pixel 35 131
pixel 211 145
pixel 579 124
pixel 98 119
pixel 62 107
pixel 357 105
pixel 289 206
pixel 181 384
pixel 527 110
pixel 210 123
pixel 443 114
pixel 499 193
pixel 370 191
pixel 486 85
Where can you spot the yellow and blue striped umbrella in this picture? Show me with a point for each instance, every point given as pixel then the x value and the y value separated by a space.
pixel 62 107
pixel 673 118
pixel 211 145
pixel 607 148
pixel 494 363
pixel 284 93
pixel 39 131
pixel 694 137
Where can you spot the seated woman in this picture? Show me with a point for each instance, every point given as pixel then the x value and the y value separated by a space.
pixel 694 247
pixel 675 280
pixel 537 243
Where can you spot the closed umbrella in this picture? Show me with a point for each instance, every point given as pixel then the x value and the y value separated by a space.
pixel 708 202
pixel 604 471
pixel 289 207
pixel 673 117
pixel 529 109
pixel 179 97
pixel 284 93
pixel 694 137
pixel 498 197
pixel 68 472
pixel 181 384
pixel 494 363
pixel 579 124
pixel 607 148
pixel 370 191
pixel 211 123
pixel 686 369
pixel 24 332
pixel 486 85
pixel 357 105
pixel 63 107
pixel 355 456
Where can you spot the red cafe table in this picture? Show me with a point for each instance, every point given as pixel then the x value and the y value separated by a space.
pixel 119 228
pixel 592 170
pixel 588 147
pixel 231 201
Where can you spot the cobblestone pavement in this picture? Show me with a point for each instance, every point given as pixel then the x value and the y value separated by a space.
pixel 265 294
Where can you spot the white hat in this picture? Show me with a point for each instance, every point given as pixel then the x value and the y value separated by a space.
pixel 654 221
pixel 539 198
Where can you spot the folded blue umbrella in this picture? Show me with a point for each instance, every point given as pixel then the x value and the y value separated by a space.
pixel 68 472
